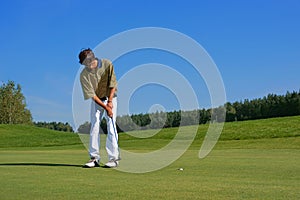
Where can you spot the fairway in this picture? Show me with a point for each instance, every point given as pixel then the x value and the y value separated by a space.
pixel 250 165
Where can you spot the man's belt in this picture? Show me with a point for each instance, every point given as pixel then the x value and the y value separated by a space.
pixel 103 98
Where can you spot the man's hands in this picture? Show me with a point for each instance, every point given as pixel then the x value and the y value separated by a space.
pixel 110 104
pixel 108 108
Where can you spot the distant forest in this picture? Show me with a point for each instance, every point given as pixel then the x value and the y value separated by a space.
pixel 58 126
pixel 13 111
pixel 269 106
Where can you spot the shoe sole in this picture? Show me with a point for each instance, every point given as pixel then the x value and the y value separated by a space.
pixel 105 166
pixel 86 166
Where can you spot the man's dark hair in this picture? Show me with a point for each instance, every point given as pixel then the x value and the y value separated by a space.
pixel 86 56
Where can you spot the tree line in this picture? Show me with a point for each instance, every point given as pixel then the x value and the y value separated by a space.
pixel 58 126
pixel 12 105
pixel 269 106
pixel 13 109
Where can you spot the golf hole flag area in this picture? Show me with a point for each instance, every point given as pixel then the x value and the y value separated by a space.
pixel 256 159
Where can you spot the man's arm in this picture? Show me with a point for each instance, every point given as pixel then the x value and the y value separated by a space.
pixel 111 94
pixel 110 97
pixel 106 107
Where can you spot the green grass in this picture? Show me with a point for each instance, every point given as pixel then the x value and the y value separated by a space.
pixel 12 136
pixel 253 160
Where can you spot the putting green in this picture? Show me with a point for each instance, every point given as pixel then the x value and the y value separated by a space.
pixel 252 160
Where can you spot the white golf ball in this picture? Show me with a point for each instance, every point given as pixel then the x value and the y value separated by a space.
pixel 180 169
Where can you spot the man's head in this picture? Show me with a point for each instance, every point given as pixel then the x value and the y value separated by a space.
pixel 86 57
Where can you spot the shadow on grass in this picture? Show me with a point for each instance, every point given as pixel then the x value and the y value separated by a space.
pixel 40 164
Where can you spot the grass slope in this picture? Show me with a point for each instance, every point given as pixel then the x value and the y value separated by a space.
pixel 233 131
pixel 252 160
pixel 31 136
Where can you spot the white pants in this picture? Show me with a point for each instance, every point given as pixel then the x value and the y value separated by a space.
pixel 97 113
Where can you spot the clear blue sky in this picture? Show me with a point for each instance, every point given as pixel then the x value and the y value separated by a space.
pixel 255 44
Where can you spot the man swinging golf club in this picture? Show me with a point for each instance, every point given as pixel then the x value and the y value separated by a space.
pixel 98 82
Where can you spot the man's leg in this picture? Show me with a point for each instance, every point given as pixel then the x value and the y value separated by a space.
pixel 94 132
pixel 94 137
pixel 112 147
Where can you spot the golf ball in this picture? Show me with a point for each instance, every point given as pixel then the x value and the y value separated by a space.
pixel 180 169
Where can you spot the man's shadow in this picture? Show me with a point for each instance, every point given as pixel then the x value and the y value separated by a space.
pixel 40 164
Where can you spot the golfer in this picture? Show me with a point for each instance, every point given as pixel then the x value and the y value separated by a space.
pixel 98 82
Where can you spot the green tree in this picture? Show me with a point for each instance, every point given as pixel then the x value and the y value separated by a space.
pixel 12 105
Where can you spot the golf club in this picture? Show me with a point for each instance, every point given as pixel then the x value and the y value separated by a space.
pixel 116 137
